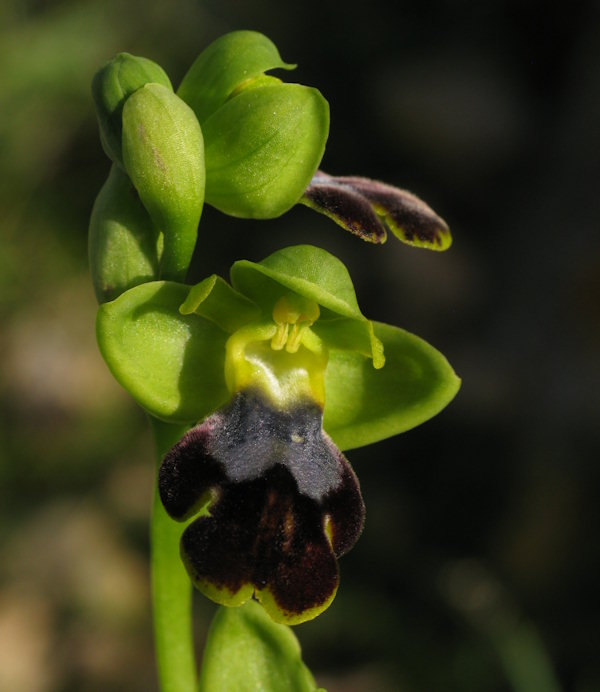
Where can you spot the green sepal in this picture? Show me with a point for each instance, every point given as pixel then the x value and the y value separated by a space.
pixel 122 240
pixel 111 87
pixel 163 153
pixel 317 275
pixel 263 147
pixel 224 66
pixel 307 270
pixel 215 300
pixel 364 405
pixel 172 364
pixel 246 651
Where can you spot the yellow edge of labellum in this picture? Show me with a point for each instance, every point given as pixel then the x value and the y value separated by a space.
pixel 222 595
pixel 283 617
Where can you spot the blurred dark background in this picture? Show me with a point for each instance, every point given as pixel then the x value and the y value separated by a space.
pixel 478 569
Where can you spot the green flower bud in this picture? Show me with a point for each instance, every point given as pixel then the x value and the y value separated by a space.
pixel 122 239
pixel 111 87
pixel 264 139
pixel 263 147
pixel 163 153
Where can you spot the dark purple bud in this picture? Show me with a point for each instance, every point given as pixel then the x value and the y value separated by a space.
pixel 369 208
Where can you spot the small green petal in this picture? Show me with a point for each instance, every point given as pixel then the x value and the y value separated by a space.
pixel 308 271
pixel 122 240
pixel 246 651
pixel 163 153
pixel 352 335
pixel 223 66
pixel 364 405
pixel 112 85
pixel 172 364
pixel 263 147
pixel 215 300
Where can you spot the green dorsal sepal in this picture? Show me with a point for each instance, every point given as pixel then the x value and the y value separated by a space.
pixel 224 66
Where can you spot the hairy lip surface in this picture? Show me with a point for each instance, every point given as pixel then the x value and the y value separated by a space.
pixel 285 503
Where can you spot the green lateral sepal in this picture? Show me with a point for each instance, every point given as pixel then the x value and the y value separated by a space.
pixel 172 364
pixel 365 405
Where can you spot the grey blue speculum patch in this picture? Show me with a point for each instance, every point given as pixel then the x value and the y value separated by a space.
pixel 285 501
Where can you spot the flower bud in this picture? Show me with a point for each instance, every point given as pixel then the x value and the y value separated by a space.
pixel 122 239
pixel 111 87
pixel 264 139
pixel 163 153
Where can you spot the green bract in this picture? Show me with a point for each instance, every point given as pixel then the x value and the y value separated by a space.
pixel 111 87
pixel 174 364
pixel 122 240
pixel 163 153
pixel 246 651
pixel 264 139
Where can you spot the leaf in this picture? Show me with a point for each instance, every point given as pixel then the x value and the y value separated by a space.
pixel 364 405
pixel 246 652
pixel 163 153
pixel 171 364
pixel 307 270
pixel 223 66
pixel 263 147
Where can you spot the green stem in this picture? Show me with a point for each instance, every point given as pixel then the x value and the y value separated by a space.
pixel 171 587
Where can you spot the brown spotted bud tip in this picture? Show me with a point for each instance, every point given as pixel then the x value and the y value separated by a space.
pixel 284 503
pixel 369 209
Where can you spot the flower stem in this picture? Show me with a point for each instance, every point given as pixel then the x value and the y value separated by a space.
pixel 171 587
